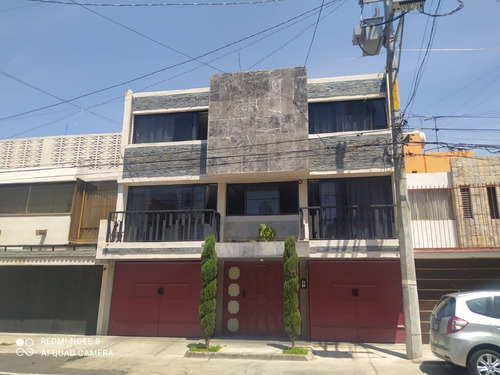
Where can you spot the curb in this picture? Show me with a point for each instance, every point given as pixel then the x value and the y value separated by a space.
pixel 262 357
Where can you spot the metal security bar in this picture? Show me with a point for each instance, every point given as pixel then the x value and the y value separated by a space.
pixel 348 222
pixel 162 226
pixel 458 217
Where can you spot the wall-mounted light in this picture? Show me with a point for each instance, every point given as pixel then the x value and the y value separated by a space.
pixel 41 232
pixel 303 283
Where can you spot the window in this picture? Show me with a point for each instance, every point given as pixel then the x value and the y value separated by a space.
pixel 431 204
pixel 493 202
pixel 445 308
pixel 170 127
pixel 479 305
pixel 37 198
pixel 355 115
pixel 174 197
pixel 93 202
pixel 466 202
pixel 349 208
pixel 277 198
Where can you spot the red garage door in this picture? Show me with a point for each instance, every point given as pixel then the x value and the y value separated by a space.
pixel 156 299
pixel 358 301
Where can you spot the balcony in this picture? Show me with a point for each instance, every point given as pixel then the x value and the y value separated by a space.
pixel 162 226
pixel 376 221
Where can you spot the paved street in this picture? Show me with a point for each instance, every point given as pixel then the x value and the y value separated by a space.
pixel 63 354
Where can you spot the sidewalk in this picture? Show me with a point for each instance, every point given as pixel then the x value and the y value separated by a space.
pixel 75 354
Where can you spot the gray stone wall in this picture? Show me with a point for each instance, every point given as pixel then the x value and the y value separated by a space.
pixel 258 121
pixel 350 152
pixel 184 100
pixel 479 172
pixel 165 161
pixel 346 88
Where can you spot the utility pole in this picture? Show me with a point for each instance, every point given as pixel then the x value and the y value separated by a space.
pixel 407 261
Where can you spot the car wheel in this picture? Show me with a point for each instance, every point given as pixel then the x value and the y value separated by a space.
pixel 485 362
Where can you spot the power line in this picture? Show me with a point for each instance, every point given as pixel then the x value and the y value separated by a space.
pixel 313 10
pixel 53 96
pixel 59 2
pixel 314 33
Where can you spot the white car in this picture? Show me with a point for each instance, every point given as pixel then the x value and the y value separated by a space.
pixel 465 331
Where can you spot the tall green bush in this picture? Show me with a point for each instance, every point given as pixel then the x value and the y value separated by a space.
pixel 208 289
pixel 291 289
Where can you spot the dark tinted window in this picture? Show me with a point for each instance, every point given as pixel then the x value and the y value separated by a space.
pixel 175 197
pixel 262 199
pixel 170 127
pixel 345 116
pixel 479 305
pixel 37 198
pixel 495 311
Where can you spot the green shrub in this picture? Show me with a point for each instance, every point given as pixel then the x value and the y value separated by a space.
pixel 203 348
pixel 290 290
pixel 208 289
pixel 295 350
pixel 266 233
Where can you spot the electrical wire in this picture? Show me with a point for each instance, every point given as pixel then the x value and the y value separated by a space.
pixel 419 72
pixel 137 78
pixel 458 8
pixel 54 96
pixel 314 33
pixel 59 2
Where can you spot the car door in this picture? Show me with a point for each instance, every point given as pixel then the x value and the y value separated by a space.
pixel 495 315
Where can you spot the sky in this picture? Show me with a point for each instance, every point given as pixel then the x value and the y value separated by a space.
pixel 65 65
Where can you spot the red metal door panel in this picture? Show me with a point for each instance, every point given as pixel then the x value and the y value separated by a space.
pixel 135 304
pixel 181 283
pixel 156 299
pixel 366 303
pixel 262 302
pixel 332 310
pixel 380 306
pixel 253 299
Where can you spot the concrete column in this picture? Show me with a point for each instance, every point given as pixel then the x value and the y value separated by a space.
pixel 303 202
pixel 221 206
pixel 108 274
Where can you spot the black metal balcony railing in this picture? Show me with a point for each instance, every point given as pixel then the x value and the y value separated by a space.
pixel 376 221
pixel 162 226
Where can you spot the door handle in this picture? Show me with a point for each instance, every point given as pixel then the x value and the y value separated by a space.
pixel 355 292
pixel 243 294
pixel 160 291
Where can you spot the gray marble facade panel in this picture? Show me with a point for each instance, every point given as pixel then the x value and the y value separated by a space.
pixel 257 112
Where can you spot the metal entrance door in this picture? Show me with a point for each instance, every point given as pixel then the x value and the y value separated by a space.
pixel 253 299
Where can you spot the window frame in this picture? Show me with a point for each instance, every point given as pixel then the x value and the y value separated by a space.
pixel 346 112
pixel 466 199
pixel 491 193
pixel 416 197
pixel 242 204
pixel 152 136
pixel 29 203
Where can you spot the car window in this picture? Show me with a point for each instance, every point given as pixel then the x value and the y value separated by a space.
pixel 479 305
pixel 495 313
pixel 445 307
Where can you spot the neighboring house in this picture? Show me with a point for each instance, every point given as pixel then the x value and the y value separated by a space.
pixel 311 158
pixel 455 225
pixel 53 193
